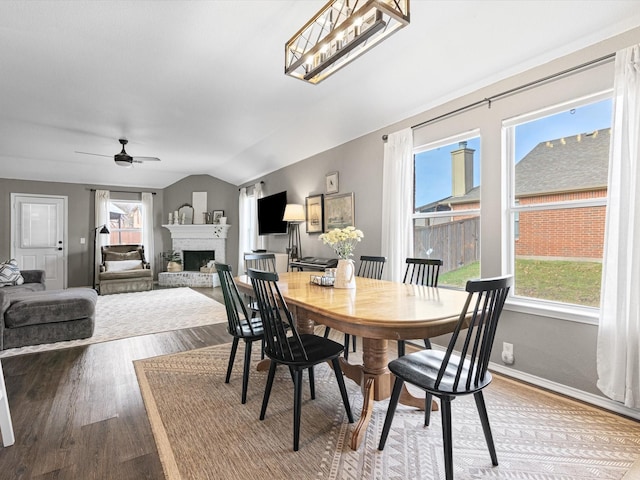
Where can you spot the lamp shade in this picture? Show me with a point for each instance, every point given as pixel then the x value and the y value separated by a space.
pixel 294 212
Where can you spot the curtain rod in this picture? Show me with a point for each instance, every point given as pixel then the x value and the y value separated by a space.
pixel 122 191
pixel 261 182
pixel 489 100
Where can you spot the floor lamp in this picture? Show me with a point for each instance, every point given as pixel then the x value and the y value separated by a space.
pixel 103 231
pixel 294 214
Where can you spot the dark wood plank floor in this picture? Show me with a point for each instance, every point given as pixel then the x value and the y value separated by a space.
pixel 78 413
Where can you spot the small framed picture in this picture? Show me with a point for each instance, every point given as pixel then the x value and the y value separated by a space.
pixel 217 215
pixel 331 184
pixel 315 216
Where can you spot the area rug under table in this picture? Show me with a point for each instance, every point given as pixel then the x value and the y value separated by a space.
pixel 127 315
pixel 202 431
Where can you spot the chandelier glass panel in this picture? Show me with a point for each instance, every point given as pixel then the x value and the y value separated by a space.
pixel 340 32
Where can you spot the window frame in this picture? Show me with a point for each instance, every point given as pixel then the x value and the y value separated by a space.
pixel 536 306
pixel 141 229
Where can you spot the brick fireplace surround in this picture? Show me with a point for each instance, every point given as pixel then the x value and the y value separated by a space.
pixel 196 237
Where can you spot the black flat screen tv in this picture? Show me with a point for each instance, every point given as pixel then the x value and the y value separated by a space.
pixel 270 213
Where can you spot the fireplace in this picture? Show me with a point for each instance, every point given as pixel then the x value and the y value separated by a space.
pixel 192 260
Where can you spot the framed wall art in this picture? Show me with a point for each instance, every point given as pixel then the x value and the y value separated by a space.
pixel 331 182
pixel 217 215
pixel 315 217
pixel 339 211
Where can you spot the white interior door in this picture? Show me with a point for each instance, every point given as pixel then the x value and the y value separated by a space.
pixel 39 236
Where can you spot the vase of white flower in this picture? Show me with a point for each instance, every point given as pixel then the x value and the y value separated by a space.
pixel 343 241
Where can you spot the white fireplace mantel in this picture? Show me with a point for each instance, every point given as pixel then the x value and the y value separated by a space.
pixel 198 231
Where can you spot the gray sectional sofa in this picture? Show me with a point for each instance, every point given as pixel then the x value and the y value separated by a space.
pixel 31 315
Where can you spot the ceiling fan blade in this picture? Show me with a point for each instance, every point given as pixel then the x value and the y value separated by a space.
pixel 145 159
pixel 96 154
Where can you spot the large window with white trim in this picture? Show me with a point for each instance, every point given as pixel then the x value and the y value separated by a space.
pixel 558 169
pixel 446 218
pixel 125 222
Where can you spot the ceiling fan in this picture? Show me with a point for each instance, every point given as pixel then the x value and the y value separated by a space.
pixel 123 158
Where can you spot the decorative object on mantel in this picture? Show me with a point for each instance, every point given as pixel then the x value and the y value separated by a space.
pixel 199 200
pixel 340 32
pixel 331 182
pixel 217 215
pixel 294 214
pixel 185 214
pixel 343 241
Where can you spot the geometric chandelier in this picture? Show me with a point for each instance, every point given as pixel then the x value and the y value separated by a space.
pixel 339 33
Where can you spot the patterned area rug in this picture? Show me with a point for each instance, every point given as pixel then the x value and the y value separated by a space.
pixel 203 431
pixel 132 314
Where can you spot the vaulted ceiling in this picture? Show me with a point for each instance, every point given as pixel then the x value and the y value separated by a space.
pixel 201 84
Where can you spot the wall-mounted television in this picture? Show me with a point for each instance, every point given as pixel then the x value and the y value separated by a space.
pixel 270 213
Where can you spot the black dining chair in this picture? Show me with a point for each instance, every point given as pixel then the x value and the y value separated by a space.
pixel 370 267
pixel 239 324
pixel 447 375
pixel 258 261
pixel 420 271
pixel 283 345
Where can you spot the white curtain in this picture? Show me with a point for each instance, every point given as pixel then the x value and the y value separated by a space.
pixel 618 356
pixel 397 197
pixel 147 227
pixel 101 218
pixel 248 238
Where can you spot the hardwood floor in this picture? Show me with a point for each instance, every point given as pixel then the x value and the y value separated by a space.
pixel 78 413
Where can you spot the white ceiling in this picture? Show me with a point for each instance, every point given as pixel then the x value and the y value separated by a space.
pixel 200 84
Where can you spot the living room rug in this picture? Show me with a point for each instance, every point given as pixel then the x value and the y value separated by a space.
pixel 202 431
pixel 126 315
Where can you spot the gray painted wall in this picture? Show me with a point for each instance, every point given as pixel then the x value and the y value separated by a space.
pixel 553 349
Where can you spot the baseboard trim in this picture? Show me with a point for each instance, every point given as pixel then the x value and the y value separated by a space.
pixel 581 395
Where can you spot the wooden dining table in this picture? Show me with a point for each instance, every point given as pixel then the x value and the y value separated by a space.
pixel 377 311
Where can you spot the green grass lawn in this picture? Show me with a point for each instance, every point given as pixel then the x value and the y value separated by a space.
pixel 555 280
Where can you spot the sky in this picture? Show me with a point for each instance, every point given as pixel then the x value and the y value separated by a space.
pixel 433 167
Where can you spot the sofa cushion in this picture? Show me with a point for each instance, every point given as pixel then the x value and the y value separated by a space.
pixel 120 256
pixel 50 306
pixel 25 287
pixel 138 273
pixel 10 273
pixel 122 265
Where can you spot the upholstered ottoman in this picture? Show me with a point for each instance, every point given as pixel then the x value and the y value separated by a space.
pixel 49 316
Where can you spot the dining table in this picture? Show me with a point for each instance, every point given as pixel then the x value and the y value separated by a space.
pixel 377 311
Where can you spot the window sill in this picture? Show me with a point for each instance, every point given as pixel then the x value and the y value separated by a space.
pixel 572 313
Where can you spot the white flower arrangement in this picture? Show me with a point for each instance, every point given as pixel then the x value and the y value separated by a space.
pixel 342 240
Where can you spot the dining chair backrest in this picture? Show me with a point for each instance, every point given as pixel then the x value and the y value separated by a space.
pixel 237 315
pixel 272 309
pixel 260 261
pixel 422 271
pixel 371 267
pixel 479 318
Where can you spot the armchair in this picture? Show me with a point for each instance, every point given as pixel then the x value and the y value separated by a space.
pixel 124 269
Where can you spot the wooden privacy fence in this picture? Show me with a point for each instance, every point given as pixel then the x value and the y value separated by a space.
pixel 456 243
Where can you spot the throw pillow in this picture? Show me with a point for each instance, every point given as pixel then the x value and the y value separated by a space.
pixel 116 256
pixel 122 265
pixel 10 273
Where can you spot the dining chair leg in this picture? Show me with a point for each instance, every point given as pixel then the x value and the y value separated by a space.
pixel 346 346
pixel 297 406
pixel 267 388
pixel 312 384
pixel 427 344
pixel 343 389
pixel 232 356
pixel 401 348
pixel 427 408
pixel 262 349
pixel 245 370
pixel 447 438
pixel 327 330
pixel 391 410
pixel 353 340
pixel 484 419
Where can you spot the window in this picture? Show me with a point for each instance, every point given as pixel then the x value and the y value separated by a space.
pixel 125 222
pixel 446 219
pixel 558 194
